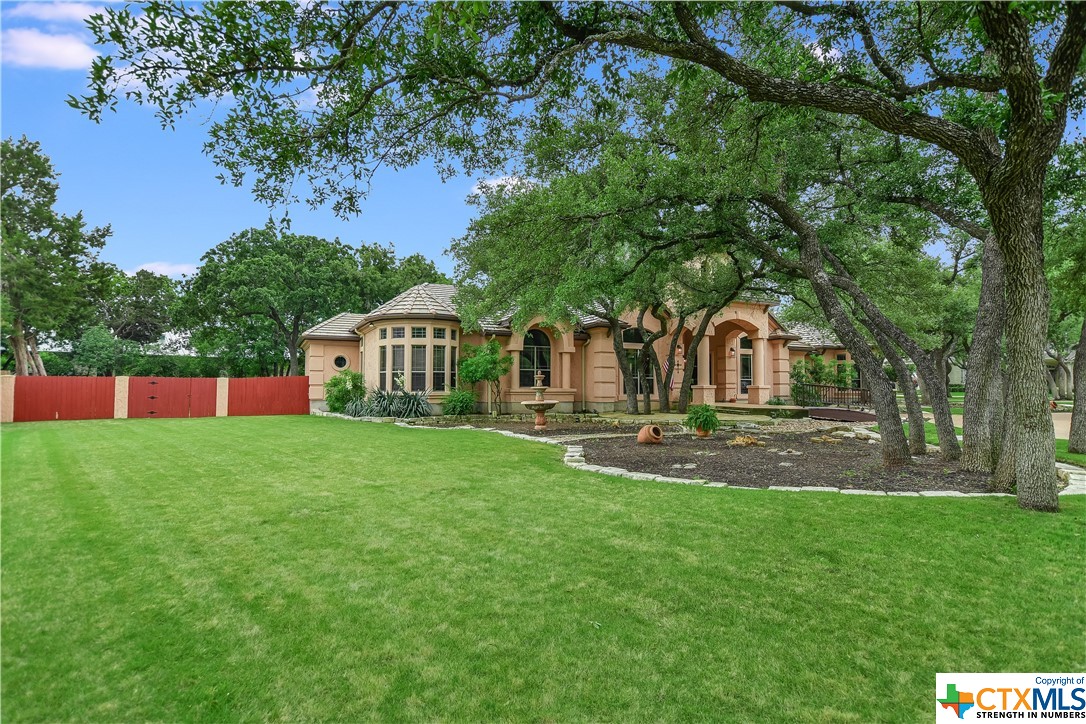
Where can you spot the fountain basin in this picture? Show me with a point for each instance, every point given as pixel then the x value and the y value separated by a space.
pixel 540 407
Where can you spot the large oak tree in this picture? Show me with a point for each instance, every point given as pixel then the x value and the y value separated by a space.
pixel 333 93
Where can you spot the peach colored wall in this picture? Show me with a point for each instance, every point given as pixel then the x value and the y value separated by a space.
pixel 584 373
pixel 372 342
pixel 319 354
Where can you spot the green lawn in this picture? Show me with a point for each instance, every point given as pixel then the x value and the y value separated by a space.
pixel 1062 455
pixel 301 568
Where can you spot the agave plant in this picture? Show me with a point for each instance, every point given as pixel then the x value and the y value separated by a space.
pixel 412 404
pixel 380 403
pixel 357 408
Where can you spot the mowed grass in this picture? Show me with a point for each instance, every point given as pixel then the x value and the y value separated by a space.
pixel 299 568
pixel 931 434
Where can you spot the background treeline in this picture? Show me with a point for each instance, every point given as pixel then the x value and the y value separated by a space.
pixel 241 314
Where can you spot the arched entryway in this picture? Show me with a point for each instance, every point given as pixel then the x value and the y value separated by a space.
pixel 535 357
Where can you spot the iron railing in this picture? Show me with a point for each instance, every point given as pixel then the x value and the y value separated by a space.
pixel 830 396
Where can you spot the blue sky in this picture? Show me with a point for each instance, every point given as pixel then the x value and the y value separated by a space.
pixel 155 187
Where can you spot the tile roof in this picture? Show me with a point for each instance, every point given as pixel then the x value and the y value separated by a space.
pixel 422 300
pixel 813 337
pixel 340 326
pixel 426 301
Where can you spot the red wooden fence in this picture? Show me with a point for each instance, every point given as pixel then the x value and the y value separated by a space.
pixel 95 398
pixel 269 396
pixel 63 398
pixel 171 397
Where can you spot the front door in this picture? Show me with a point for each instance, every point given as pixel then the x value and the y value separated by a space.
pixel 745 370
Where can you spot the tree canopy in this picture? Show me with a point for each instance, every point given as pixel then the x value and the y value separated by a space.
pixel 50 260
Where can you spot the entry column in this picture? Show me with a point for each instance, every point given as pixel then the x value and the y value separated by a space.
pixel 704 393
pixel 758 393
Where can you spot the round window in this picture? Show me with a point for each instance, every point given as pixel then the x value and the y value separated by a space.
pixel 340 362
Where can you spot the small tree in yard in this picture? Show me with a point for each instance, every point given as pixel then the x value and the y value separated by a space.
pixel 96 353
pixel 486 363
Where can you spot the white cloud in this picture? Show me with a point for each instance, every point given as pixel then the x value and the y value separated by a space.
pixel 55 12
pixel 168 268
pixel 34 49
pixel 826 55
pixel 506 183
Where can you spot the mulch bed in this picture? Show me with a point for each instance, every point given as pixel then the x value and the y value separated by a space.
pixel 849 463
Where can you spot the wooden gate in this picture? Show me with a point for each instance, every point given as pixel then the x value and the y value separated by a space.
pixel 63 398
pixel 269 396
pixel 171 397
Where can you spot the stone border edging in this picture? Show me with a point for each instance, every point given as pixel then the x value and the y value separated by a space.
pixel 574 458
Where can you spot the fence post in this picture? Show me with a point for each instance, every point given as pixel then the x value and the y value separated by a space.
pixel 7 398
pixel 222 396
pixel 120 398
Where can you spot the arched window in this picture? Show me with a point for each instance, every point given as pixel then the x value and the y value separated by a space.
pixel 535 357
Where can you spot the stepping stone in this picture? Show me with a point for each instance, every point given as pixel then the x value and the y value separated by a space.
pixel 786 465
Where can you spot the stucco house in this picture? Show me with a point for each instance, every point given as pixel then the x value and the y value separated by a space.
pixel 746 353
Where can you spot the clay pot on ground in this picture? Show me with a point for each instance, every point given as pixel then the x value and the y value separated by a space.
pixel 650 435
pixel 702 433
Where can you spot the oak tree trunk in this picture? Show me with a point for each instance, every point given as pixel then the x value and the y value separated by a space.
pixel 692 354
pixel 37 366
pixel 624 367
pixel 1076 441
pixel 983 383
pixel 17 339
pixel 1016 213
pixel 918 444
pixel 895 449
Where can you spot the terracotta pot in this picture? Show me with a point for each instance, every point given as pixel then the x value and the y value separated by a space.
pixel 702 433
pixel 650 435
pixel 731 399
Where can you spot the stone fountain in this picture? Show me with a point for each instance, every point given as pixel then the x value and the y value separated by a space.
pixel 539 404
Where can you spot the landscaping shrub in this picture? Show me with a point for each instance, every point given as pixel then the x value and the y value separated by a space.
pixel 702 417
pixel 357 408
pixel 399 403
pixel 344 388
pixel 777 401
pixel 378 403
pixel 459 402
pixel 411 404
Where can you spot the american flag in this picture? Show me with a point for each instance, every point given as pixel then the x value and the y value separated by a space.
pixel 667 366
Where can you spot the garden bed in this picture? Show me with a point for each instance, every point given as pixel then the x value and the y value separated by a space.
pixel 787 459
pixel 555 428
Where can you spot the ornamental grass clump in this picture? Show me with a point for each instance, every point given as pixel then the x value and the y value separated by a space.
pixel 398 403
